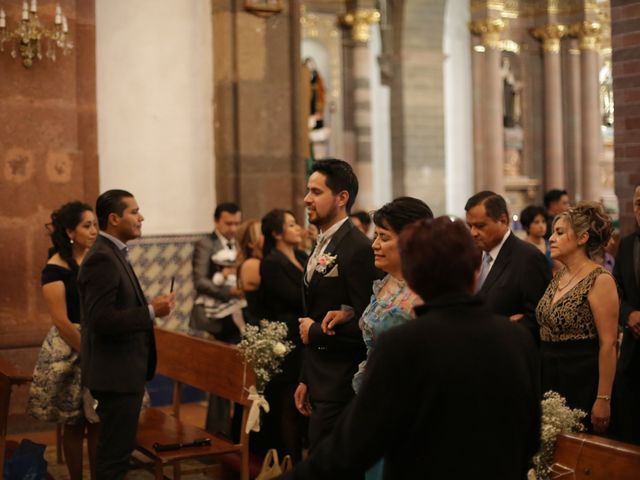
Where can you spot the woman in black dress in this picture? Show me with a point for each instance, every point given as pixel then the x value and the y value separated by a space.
pixel 578 315
pixel 56 394
pixel 281 272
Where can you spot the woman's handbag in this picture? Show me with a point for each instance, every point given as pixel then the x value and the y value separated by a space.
pixel 270 466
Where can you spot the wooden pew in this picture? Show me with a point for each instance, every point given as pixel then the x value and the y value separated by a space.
pixel 211 366
pixel 581 456
pixel 10 375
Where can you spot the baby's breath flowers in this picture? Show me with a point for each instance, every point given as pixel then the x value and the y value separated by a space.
pixel 557 418
pixel 264 348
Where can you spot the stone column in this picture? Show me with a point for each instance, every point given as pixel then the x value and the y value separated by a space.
pixel 491 106
pixel 573 122
pixel 554 171
pixel 587 33
pixel 359 20
pixel 477 65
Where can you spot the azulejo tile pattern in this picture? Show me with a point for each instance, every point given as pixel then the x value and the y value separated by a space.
pixel 155 260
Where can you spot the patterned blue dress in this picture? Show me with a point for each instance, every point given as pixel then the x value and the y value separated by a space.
pixel 391 305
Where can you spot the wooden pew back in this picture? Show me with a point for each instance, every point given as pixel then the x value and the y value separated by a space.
pixel 590 457
pixel 212 366
pixel 10 375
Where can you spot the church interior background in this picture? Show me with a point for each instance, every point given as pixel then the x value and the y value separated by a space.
pixel 190 102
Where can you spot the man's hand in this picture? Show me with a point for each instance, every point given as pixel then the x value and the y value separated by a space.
pixel 333 318
pixel 301 399
pixel 634 323
pixel 236 292
pixel 305 325
pixel 163 304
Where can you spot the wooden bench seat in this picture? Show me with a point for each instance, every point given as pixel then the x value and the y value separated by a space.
pixel 581 456
pixel 211 366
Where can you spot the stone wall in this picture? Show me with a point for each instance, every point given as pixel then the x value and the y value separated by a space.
pixel 257 121
pixel 48 150
pixel 625 32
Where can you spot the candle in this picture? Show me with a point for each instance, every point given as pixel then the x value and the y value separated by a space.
pixel 58 19
pixel 65 27
pixel 34 6
pixel 3 21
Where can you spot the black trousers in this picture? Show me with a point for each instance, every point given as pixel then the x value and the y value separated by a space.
pixel 625 417
pixel 119 413
pixel 323 418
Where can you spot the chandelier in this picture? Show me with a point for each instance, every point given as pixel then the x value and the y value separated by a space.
pixel 27 38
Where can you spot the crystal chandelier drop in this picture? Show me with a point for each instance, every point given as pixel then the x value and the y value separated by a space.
pixel 27 38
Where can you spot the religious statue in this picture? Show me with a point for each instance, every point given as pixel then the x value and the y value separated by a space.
pixel 606 95
pixel 511 107
pixel 317 95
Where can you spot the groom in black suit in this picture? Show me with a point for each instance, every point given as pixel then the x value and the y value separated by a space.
pixel 626 407
pixel 118 345
pixel 339 276
pixel 514 274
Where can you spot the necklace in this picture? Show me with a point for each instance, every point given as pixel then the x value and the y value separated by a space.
pixel 560 288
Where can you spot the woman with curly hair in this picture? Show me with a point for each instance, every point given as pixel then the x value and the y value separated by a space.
pixel 578 315
pixel 56 394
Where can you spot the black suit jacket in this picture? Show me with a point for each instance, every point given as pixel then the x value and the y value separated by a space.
pixel 331 361
pixel 118 345
pixel 453 394
pixel 281 294
pixel 625 275
pixel 516 282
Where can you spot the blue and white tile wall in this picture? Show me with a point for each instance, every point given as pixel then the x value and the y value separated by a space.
pixel 158 258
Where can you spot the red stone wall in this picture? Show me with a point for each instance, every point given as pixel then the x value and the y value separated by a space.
pixel 625 31
pixel 48 156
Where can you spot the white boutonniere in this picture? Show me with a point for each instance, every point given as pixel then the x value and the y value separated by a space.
pixel 325 262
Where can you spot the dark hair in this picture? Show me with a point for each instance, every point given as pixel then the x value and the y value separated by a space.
pixel 494 204
pixel 529 214
pixel 272 223
pixel 401 212
pixel 553 196
pixel 438 257
pixel 228 207
pixel 68 216
pixel 110 202
pixel 340 177
pixel 364 217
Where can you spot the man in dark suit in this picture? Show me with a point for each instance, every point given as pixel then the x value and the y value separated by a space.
pixel 626 406
pixel 453 394
pixel 339 276
pixel 118 345
pixel 212 296
pixel 209 310
pixel 514 274
pixel 555 202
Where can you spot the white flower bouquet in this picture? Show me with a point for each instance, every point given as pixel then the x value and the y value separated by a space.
pixel 557 418
pixel 264 348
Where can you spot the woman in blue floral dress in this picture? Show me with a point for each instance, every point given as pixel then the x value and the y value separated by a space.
pixel 392 301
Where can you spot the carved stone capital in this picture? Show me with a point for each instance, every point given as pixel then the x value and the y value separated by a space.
pixel 359 21
pixel 489 29
pixel 550 35
pixel 588 33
